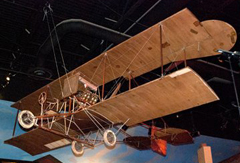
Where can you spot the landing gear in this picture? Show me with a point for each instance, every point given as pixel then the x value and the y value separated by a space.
pixel 26 119
pixel 109 138
pixel 77 148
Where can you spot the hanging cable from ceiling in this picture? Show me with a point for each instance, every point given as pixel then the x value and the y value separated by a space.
pixel 230 56
pixel 47 9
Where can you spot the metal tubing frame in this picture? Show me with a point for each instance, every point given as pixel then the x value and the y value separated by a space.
pixel 15 123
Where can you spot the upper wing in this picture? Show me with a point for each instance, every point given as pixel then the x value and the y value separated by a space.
pixel 183 37
pixel 176 92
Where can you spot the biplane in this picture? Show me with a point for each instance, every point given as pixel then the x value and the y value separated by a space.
pixel 71 109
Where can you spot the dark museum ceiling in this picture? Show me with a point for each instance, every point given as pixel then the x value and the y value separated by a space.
pixel 23 29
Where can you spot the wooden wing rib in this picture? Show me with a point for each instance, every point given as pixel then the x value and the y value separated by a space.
pixel 179 91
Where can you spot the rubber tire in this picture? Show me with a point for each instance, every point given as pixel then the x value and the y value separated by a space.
pixel 75 151
pixel 22 123
pixel 105 138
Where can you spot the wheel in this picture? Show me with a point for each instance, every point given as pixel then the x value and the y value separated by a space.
pixel 26 119
pixel 109 138
pixel 42 97
pixel 77 148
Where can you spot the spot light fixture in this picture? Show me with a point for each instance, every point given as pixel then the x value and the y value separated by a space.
pixel 8 78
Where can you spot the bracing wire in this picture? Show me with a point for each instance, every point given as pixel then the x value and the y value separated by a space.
pixel 134 23
pixel 234 85
pixel 54 53
pixel 139 52
pixel 115 80
pixel 121 79
pixel 97 69
pixel 170 50
pixel 60 49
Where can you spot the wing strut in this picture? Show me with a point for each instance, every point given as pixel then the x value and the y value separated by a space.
pixel 15 123
pixel 161 52
pixel 116 90
pixel 185 58
pixel 104 68
pixel 130 80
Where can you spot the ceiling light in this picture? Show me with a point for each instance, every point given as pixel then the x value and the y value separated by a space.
pixel 112 20
pixel 8 78
pixel 28 32
pixel 84 47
